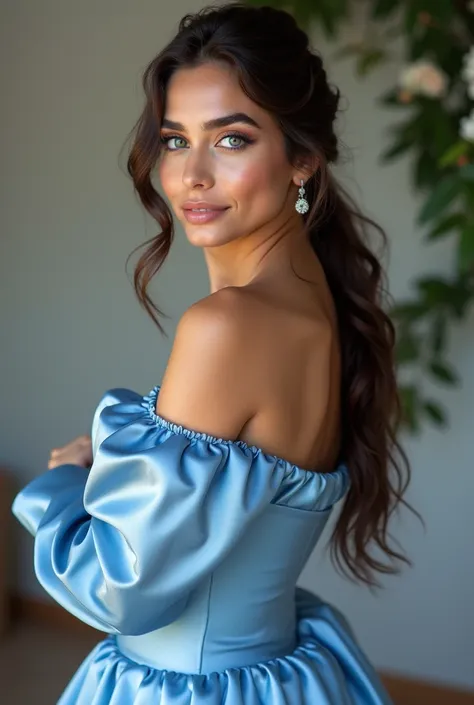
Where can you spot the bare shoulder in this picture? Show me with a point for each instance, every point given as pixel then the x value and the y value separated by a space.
pixel 217 322
pixel 224 310
pixel 206 386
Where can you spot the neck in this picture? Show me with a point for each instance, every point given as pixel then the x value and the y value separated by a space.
pixel 258 255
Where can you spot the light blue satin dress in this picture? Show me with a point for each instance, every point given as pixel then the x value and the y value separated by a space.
pixel 185 549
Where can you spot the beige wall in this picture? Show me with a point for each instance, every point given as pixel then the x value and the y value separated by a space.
pixel 71 327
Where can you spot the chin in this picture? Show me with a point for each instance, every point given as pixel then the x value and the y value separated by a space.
pixel 200 236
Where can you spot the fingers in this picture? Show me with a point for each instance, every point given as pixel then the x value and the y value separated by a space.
pixel 78 451
pixel 83 440
pixel 53 462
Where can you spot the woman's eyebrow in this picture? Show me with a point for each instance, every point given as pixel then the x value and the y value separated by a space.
pixel 224 121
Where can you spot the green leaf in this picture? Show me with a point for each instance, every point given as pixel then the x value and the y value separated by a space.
pixel 435 412
pixel 369 60
pixel 425 171
pixel 413 129
pixel 467 172
pixel 417 47
pixel 436 294
pixel 446 225
pixel 304 13
pixel 340 7
pixel 399 147
pixel 410 404
pixel 441 10
pixel 407 348
pixel 442 127
pixel 466 249
pixel 452 155
pixel 440 197
pixel 434 291
pixel 439 333
pixel 331 13
pixel 383 8
pixel 328 17
pixel 459 296
pixel 412 9
pixel 442 372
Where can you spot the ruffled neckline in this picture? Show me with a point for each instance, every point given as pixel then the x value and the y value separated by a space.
pixel 150 405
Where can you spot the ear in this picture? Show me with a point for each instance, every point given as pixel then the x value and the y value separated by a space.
pixel 307 169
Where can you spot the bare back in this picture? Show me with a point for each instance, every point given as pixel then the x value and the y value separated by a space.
pixel 295 369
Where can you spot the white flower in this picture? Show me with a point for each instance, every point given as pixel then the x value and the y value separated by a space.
pixel 467 127
pixel 424 78
pixel 470 90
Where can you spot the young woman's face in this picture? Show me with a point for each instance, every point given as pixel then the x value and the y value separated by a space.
pixel 237 171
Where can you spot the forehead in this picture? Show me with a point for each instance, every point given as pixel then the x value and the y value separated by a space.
pixel 205 92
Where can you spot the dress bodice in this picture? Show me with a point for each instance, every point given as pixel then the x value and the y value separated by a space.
pixel 157 515
pixel 244 612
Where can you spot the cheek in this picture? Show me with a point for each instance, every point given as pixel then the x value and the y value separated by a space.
pixel 168 176
pixel 262 182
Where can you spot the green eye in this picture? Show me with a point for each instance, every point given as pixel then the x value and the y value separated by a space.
pixel 233 145
pixel 179 139
pixel 242 140
pixel 173 143
pixel 166 141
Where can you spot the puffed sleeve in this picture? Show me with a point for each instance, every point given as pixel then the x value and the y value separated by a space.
pixel 123 545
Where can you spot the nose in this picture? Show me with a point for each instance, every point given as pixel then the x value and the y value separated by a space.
pixel 197 171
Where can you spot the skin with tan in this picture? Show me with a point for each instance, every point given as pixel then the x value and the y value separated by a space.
pixel 280 369
pixel 258 359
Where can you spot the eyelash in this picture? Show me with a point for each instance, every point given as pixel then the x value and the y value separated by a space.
pixel 244 138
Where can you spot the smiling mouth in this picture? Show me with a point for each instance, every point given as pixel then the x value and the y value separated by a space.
pixel 204 210
pixel 203 215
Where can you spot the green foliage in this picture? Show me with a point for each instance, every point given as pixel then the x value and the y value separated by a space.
pixel 411 406
pixel 442 372
pixel 381 9
pixel 445 225
pixel 454 153
pixel 466 249
pixel 442 195
pixel 435 412
pixel 427 130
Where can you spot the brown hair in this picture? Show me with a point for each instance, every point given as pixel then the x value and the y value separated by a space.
pixel 279 72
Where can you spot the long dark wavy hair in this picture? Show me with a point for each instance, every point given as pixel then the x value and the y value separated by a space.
pixel 278 70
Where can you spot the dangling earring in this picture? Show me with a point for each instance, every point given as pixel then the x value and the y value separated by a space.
pixel 302 205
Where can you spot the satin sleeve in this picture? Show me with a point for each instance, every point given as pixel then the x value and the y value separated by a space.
pixel 123 546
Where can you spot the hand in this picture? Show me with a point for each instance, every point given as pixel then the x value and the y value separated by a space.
pixel 77 452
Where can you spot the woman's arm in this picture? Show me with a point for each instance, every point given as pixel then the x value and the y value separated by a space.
pixel 123 546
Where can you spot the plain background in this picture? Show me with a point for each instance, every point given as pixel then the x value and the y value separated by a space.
pixel 72 328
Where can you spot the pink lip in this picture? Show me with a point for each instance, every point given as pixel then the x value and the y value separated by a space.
pixel 203 204
pixel 198 217
pixel 193 216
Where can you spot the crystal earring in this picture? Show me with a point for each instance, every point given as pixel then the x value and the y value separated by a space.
pixel 302 205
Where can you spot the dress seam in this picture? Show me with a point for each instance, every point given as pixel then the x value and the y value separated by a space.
pixel 206 626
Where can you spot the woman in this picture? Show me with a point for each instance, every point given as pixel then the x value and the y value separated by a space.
pixel 204 498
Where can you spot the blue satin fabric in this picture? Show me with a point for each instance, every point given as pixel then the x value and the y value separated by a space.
pixel 186 549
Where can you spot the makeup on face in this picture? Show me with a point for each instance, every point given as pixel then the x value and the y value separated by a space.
pixel 223 164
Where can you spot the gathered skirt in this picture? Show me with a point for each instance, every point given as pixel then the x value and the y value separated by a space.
pixel 327 667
